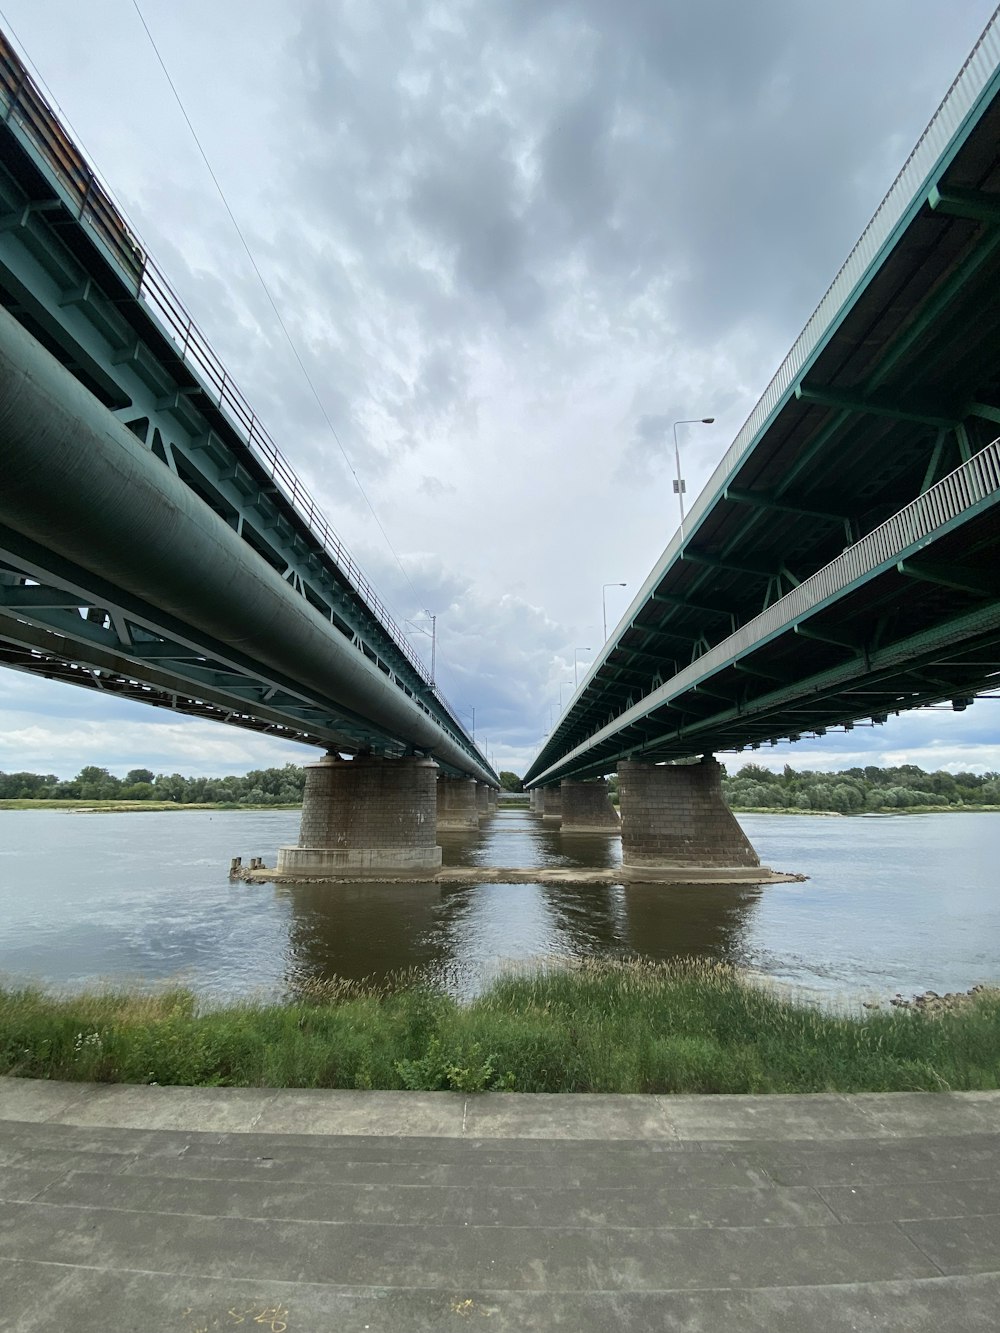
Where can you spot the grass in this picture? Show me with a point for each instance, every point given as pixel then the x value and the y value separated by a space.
pixel 607 1027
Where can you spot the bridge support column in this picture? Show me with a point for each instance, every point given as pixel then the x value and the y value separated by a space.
pixel 535 801
pixel 550 805
pixel 456 803
pixel 587 808
pixel 366 818
pixel 482 799
pixel 674 817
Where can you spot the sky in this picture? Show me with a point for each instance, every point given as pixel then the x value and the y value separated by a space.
pixel 511 242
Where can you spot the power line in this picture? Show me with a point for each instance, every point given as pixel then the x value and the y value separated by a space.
pixel 277 313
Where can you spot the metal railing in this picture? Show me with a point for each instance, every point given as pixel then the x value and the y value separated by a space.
pixel 921 521
pixel 91 202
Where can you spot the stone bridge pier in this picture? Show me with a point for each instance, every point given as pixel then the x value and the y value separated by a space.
pixel 587 808
pixel 675 819
pixel 550 804
pixel 366 817
pixel 456 803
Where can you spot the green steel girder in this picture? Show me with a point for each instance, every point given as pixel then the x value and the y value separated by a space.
pixel 979 205
pixel 949 575
pixel 831 637
pixel 768 500
pixel 932 311
pixel 848 401
pixel 117 350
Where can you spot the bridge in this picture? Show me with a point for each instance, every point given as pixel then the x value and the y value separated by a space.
pixel 156 545
pixel 843 561
pixel 840 565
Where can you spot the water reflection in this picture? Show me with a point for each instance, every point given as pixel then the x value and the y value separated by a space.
pixel 690 920
pixel 358 930
pixel 460 935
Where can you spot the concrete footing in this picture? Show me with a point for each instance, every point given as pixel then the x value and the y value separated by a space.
pixel 674 817
pixel 482 799
pixel 587 808
pixel 366 818
pixel 456 803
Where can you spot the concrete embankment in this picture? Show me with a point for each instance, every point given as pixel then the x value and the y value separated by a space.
pixel 203 1209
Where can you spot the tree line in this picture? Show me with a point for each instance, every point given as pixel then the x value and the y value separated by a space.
pixel 262 786
pixel 855 790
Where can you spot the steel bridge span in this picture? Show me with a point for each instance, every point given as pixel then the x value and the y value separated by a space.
pixel 154 543
pixel 843 562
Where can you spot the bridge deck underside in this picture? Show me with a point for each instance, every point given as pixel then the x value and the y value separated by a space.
pixel 904 388
pixel 74 276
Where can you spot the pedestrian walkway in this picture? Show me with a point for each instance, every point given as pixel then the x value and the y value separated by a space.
pixel 194 1210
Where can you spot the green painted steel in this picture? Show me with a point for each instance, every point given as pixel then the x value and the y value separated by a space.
pixel 87 292
pixel 893 384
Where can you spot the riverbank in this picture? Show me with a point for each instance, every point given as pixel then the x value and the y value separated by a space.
pixel 626 1027
pixel 130 807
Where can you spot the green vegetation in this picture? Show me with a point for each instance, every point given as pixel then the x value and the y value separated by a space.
pixel 857 790
pixel 92 785
pixel 509 781
pixel 599 1027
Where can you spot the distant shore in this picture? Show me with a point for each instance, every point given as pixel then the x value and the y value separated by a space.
pixel 134 807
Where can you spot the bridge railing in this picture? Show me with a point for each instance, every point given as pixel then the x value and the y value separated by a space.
pixel 975 483
pixel 909 187
pixel 24 103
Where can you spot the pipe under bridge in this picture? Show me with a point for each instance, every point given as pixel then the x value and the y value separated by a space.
pixel 843 561
pixel 154 544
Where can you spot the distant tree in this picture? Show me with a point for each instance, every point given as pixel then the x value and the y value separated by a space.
pixel 509 781
pixel 135 775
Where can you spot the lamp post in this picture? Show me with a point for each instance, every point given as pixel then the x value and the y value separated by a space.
pixel 467 711
pixel 576 665
pixel 679 482
pixel 562 686
pixel 604 603
pixel 434 643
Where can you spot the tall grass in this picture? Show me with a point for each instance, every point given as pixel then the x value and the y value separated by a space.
pixel 598 1027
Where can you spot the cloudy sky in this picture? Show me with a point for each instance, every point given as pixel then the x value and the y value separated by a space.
pixel 512 241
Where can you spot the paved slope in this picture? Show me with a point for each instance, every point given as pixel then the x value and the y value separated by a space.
pixel 191 1210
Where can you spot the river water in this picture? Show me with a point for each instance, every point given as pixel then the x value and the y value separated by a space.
pixel 891 904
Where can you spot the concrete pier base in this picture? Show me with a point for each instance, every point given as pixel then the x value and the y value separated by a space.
pixel 550 806
pixel 675 818
pixel 587 808
pixel 483 800
pixel 366 818
pixel 456 803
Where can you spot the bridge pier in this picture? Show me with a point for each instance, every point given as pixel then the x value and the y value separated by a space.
pixel 456 803
pixel 482 799
pixel 366 818
pixel 587 808
pixel 675 818
pixel 550 806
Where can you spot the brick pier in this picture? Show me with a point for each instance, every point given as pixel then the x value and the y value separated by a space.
pixel 675 816
pixel 366 817
pixel 587 808
pixel 550 805
pixel 456 803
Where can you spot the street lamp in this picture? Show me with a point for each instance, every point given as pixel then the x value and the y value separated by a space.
pixel 562 686
pixel 604 603
pixel 679 487
pixel 467 711
pixel 432 635
pixel 576 665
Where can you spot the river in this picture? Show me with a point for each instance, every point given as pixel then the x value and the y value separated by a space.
pixel 891 904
